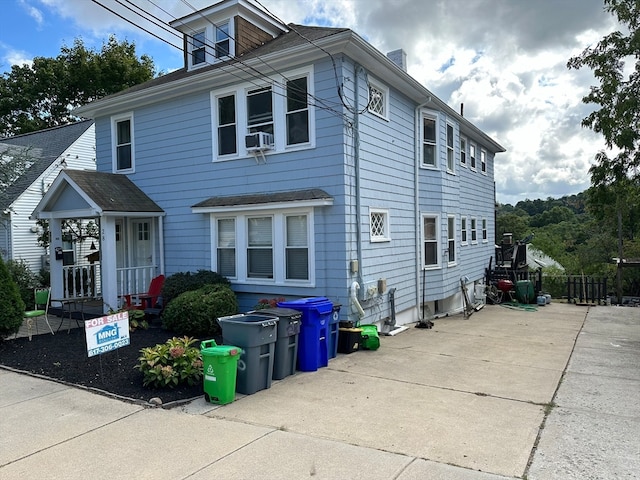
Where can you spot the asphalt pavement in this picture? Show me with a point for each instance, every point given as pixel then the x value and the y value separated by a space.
pixel 506 393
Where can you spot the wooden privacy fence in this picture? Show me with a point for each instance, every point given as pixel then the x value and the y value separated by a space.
pixel 581 289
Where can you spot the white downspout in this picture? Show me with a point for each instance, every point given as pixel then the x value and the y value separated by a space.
pixel 355 304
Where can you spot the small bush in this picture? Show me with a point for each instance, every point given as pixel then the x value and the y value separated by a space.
pixel 170 364
pixel 11 304
pixel 182 282
pixel 196 312
pixel 25 279
pixel 268 303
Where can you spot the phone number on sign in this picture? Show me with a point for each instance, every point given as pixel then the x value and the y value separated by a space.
pixel 107 348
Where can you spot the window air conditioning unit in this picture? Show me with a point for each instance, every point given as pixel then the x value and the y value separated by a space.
pixel 258 141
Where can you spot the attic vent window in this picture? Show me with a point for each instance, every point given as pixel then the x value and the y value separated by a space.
pixel 379 225
pixel 377 101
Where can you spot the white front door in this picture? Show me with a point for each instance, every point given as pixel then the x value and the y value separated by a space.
pixel 141 249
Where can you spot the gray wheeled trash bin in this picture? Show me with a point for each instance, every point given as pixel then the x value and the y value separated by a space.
pixel 286 353
pixel 256 336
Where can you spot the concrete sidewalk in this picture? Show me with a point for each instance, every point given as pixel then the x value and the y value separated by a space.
pixel 464 400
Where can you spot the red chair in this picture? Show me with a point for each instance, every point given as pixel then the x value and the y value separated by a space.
pixel 140 301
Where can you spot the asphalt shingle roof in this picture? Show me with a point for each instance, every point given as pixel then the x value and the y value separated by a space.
pixel 113 192
pixel 263 198
pixel 45 147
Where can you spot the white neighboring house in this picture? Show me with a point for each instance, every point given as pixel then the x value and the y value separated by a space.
pixel 50 151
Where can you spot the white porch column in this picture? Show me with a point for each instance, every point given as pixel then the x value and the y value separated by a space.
pixel 108 263
pixel 55 265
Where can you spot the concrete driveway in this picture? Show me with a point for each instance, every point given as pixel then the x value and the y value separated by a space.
pixel 464 400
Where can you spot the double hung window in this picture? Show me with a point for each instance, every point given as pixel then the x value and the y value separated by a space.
pixel 265 248
pixel 451 239
pixel 223 41
pixel 122 142
pixel 260 110
pixel 472 156
pixel 463 230
pixel 198 48
pixel 463 151
pixel 483 161
pixel 297 111
pixel 450 150
pixel 227 126
pixel 474 232
pixel 429 144
pixel 430 241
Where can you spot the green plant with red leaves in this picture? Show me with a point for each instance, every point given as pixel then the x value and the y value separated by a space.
pixel 170 364
pixel 268 303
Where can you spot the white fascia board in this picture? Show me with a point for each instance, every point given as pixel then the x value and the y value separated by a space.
pixel 133 214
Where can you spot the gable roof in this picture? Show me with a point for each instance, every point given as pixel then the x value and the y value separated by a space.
pixel 300 45
pixel 234 66
pixel 44 147
pixel 104 193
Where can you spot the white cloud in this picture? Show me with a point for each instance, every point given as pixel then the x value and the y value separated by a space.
pixel 506 61
pixel 33 12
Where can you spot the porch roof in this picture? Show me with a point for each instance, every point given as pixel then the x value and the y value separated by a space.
pixel 313 197
pixel 96 194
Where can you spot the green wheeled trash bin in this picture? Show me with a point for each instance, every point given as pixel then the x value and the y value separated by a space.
pixel 220 363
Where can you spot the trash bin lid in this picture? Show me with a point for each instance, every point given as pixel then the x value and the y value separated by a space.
pixel 321 304
pixel 221 351
pixel 249 319
pixel 279 312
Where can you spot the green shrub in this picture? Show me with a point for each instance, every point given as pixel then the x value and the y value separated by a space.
pixel 25 279
pixel 182 282
pixel 11 304
pixel 196 312
pixel 170 364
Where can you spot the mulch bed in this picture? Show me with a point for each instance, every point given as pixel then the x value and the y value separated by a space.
pixel 63 357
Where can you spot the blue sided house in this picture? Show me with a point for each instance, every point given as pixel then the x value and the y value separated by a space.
pixel 298 162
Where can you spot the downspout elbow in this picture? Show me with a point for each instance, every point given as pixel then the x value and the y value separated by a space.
pixel 354 300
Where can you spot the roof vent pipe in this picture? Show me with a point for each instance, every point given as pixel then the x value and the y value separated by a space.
pixel 462 109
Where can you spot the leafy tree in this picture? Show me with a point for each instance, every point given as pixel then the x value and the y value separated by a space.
pixel 14 161
pixel 44 94
pixel 618 95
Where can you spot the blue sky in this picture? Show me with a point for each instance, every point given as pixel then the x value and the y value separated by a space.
pixel 505 60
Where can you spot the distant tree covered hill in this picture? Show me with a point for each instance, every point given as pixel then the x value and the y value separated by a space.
pixel 580 231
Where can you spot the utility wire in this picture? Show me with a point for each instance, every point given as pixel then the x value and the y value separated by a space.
pixel 320 103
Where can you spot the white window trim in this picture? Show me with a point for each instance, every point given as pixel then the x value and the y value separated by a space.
pixel 114 143
pixel 279 96
pixel 387 234
pixel 279 246
pixel 455 243
pixel 385 101
pixel 210 44
pixel 437 265
pixel 436 117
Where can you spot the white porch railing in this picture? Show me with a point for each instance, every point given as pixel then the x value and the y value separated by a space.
pixel 81 281
pixel 133 280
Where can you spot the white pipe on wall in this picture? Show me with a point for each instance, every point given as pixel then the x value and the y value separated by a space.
pixel 355 286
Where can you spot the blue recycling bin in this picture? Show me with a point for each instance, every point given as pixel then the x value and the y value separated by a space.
pixel 313 347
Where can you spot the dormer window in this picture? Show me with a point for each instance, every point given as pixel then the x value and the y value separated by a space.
pixel 198 51
pixel 222 41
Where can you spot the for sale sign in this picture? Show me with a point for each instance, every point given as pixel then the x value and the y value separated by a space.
pixel 107 333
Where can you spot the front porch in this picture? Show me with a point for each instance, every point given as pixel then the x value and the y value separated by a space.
pixel 127 250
